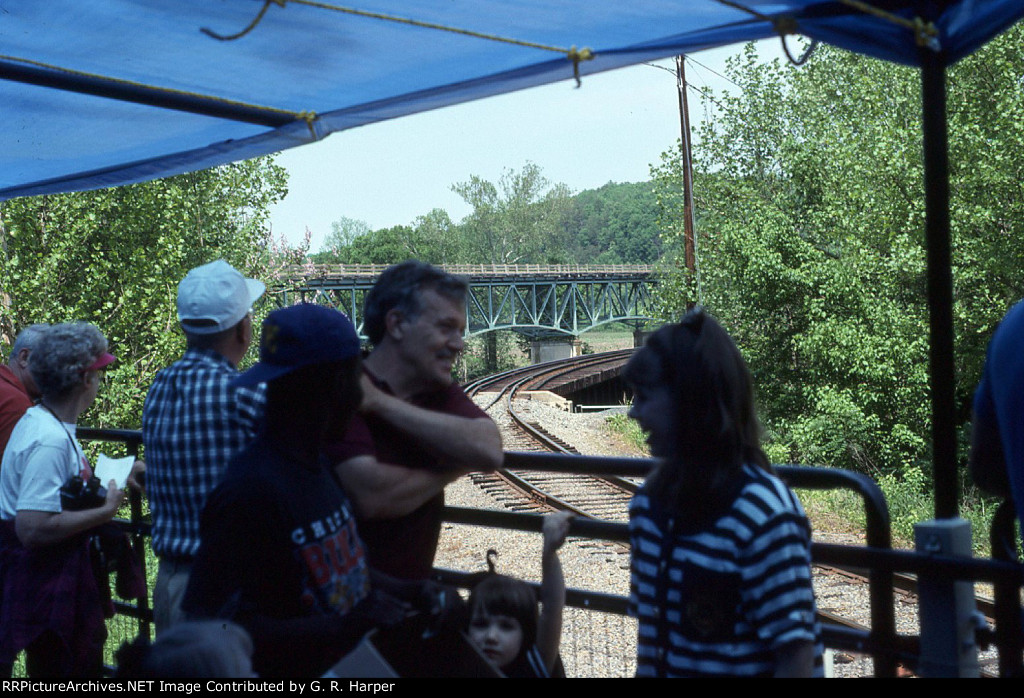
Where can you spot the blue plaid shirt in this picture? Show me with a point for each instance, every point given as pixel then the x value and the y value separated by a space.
pixel 193 423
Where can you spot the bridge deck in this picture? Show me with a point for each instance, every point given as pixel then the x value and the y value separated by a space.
pixel 340 273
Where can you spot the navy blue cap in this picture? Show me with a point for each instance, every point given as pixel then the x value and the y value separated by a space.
pixel 298 336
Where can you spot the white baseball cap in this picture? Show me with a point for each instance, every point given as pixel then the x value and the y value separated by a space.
pixel 215 297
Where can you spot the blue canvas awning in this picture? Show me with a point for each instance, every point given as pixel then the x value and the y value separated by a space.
pixel 109 92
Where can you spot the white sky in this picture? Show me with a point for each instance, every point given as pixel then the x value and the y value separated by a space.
pixel 609 130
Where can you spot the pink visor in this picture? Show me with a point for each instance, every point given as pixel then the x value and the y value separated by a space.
pixel 102 361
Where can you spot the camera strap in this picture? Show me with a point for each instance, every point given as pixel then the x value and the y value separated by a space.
pixel 82 462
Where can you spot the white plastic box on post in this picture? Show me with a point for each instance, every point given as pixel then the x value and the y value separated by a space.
pixel 946 608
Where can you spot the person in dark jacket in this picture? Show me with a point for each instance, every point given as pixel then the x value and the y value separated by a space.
pixel 280 553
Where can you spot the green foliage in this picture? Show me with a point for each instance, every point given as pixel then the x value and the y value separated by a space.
pixel 432 238
pixel 114 257
pixel 490 353
pixel 615 224
pixel 629 430
pixel 516 220
pixel 523 218
pixel 810 219
pixel 344 232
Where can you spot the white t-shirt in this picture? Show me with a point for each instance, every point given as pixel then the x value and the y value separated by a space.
pixel 40 458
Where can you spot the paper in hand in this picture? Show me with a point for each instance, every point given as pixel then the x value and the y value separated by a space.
pixel 117 469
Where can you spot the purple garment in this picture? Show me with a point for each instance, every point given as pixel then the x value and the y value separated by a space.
pixel 52 588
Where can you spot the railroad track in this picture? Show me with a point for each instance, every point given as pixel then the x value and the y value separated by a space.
pixel 607 498
pixel 583 495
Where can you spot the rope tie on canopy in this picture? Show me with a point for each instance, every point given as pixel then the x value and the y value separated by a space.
pixel 309 117
pixel 784 25
pixel 925 33
pixel 574 55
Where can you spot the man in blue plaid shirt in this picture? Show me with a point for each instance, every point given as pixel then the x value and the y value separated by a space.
pixel 194 422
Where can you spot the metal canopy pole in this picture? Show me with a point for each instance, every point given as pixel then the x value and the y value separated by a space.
pixel 142 94
pixel 940 281
pixel 947 609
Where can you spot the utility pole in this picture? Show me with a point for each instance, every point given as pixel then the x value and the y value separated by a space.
pixel 689 253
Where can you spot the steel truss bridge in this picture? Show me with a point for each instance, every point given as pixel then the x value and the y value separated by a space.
pixel 539 301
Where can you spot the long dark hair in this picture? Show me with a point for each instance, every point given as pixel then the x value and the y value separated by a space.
pixel 716 429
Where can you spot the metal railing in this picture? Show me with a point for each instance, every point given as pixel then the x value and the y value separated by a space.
pixel 882 642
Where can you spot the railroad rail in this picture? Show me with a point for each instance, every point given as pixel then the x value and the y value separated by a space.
pixel 605 498
pixel 888 649
pixel 541 491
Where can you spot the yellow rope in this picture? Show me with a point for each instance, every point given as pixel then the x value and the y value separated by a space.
pixel 783 25
pixel 308 116
pixel 252 24
pixel 574 55
pixel 925 33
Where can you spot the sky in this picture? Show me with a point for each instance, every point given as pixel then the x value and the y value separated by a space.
pixel 611 129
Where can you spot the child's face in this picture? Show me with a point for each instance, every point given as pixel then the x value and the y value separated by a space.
pixel 498 637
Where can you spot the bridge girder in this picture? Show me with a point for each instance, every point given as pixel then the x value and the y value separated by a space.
pixel 536 301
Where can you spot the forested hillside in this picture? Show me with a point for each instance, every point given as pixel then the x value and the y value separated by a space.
pixel 522 218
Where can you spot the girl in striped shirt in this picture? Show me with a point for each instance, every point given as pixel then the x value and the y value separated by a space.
pixel 720 570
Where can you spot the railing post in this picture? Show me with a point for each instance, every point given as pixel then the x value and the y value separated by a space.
pixel 1009 631
pixel 946 608
pixel 139 547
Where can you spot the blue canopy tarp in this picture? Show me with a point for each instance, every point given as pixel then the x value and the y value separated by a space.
pixel 109 92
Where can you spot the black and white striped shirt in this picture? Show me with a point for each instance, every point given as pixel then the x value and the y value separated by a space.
pixel 723 600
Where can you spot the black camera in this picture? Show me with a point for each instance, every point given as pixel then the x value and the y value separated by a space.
pixel 78 494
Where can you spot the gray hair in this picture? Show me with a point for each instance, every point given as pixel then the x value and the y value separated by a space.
pixel 200 649
pixel 62 353
pixel 27 339
pixel 399 287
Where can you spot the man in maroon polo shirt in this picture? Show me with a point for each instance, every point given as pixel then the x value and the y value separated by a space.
pixel 416 430
pixel 17 389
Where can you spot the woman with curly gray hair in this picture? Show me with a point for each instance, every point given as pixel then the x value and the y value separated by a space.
pixel 52 606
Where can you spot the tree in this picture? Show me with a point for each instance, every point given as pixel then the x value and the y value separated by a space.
pixel 516 220
pixel 114 257
pixel 437 239
pixel 809 201
pixel 344 232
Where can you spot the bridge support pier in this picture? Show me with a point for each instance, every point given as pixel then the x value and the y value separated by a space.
pixel 542 350
pixel 947 611
pixel 640 337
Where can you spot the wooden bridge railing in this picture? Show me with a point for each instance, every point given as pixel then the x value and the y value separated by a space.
pixel 306 271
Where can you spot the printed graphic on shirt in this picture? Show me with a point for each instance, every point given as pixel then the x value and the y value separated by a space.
pixel 711 603
pixel 337 575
